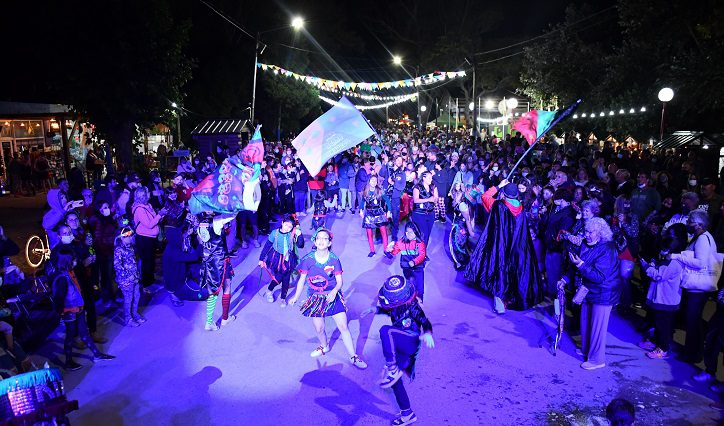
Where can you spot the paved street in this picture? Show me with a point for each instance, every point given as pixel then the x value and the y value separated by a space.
pixel 485 369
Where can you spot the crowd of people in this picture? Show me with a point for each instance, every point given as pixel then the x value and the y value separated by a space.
pixel 613 227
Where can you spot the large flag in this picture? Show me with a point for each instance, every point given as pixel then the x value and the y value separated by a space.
pixel 533 124
pixel 338 129
pixel 234 185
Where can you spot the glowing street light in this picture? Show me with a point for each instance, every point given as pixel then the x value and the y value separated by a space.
pixel 298 23
pixel 397 60
pixel 489 104
pixel 511 103
pixel 665 95
pixel 423 108
pixel 471 106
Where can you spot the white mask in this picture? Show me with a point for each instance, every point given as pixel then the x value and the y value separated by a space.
pixel 67 239
pixel 106 212
pixel 692 182
pixel 495 169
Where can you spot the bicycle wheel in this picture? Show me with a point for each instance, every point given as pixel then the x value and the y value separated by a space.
pixel 35 251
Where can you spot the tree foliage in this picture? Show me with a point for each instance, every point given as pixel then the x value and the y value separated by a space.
pixel 650 45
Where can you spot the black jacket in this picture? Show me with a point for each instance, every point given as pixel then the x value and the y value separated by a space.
pixel 599 273
pixel 563 219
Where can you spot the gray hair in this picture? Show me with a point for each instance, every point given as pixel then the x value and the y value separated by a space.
pixel 699 216
pixel 690 196
pixel 597 224
pixel 593 205
pixel 140 195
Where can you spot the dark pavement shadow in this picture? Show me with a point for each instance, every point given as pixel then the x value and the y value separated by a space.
pixel 350 403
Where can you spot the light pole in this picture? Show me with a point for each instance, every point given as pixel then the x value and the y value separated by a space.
pixel 178 121
pixel 665 95
pixel 297 24
pixel 397 60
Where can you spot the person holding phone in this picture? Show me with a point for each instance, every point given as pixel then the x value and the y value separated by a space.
pixel 595 266
pixel 146 221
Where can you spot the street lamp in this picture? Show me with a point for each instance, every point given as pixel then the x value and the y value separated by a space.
pixel 178 121
pixel 296 24
pixel 423 108
pixel 665 95
pixel 397 60
pixel 489 104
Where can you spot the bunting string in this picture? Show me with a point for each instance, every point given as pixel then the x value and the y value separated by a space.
pixel 332 85
pixel 368 107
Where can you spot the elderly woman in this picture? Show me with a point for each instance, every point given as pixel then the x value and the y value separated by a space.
pixel 596 268
pixel 146 221
pixel 701 275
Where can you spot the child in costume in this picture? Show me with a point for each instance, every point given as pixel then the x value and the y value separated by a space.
pixel 322 270
pixel 412 257
pixel 125 262
pixel 320 210
pixel 280 256
pixel 375 214
pixel 216 269
pixel 401 341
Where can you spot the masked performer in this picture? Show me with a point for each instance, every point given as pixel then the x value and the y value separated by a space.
pixel 503 262
pixel 401 340
pixel 216 270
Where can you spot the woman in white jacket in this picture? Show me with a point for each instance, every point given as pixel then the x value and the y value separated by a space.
pixel 701 274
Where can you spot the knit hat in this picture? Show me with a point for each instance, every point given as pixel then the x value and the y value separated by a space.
pixel 395 292
pixel 510 190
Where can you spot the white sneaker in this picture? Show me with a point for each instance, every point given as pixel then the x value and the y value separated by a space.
pixel 269 296
pixel 211 327
pixel 357 362
pixel 226 321
pixel 321 350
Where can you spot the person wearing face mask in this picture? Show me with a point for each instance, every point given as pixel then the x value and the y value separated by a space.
pixel 70 305
pixel 701 275
pixel 644 198
pixel 155 190
pixel 103 227
pixel 689 202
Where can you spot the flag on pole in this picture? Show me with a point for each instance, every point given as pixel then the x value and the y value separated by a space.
pixel 337 130
pixel 533 124
pixel 231 188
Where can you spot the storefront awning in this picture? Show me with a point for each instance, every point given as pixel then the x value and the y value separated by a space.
pixel 222 127
pixel 693 138
pixel 27 109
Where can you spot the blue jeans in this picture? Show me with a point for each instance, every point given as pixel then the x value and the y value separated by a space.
pixel 395 210
pixel 300 198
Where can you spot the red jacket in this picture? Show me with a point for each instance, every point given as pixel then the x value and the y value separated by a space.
pixel 489 199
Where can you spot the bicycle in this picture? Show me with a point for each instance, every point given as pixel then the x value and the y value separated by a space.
pixel 37 251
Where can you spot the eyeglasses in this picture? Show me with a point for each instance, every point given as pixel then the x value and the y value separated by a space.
pixel 321 239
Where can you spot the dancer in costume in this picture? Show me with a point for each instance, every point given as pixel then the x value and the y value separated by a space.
pixel 320 210
pixel 280 256
pixel 401 340
pixel 503 262
pixel 375 214
pixel 462 228
pixel 322 270
pixel 412 257
pixel 216 270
